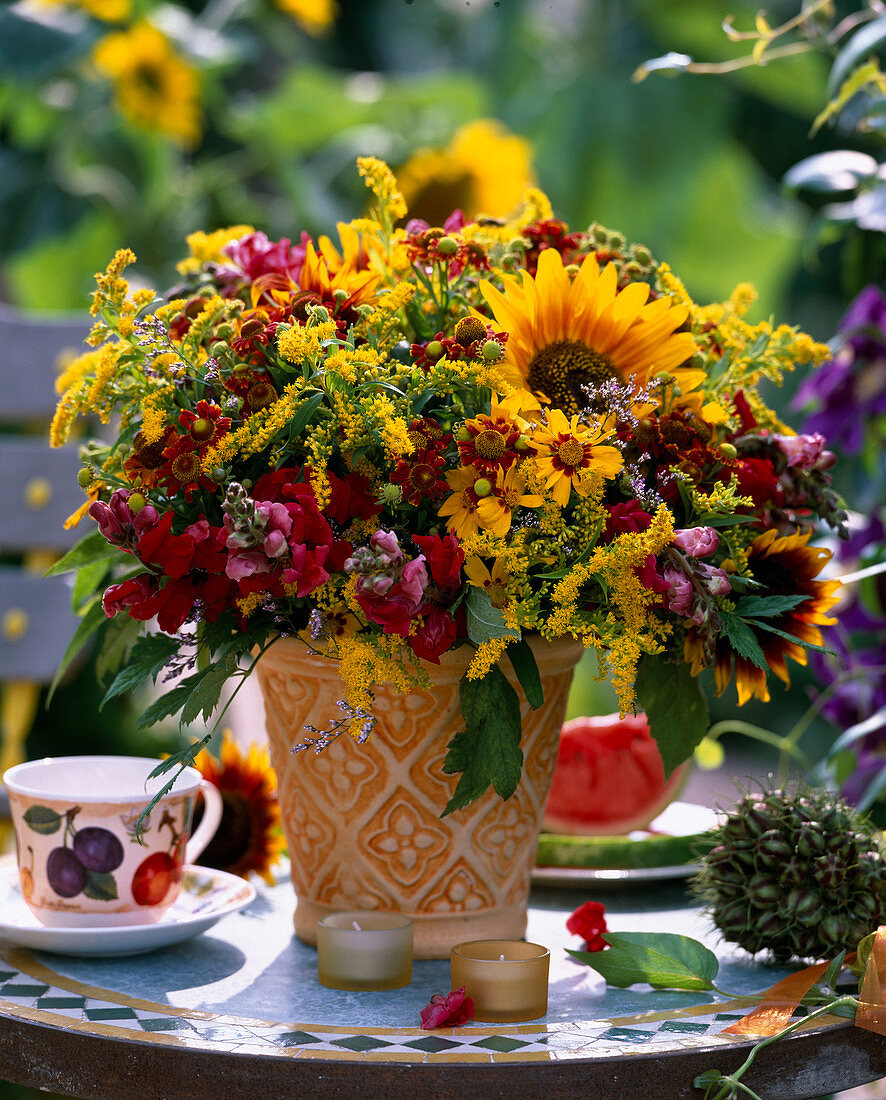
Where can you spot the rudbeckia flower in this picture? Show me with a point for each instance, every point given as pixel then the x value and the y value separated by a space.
pixel 568 451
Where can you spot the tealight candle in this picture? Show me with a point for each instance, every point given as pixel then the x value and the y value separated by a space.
pixel 365 950
pixel 506 979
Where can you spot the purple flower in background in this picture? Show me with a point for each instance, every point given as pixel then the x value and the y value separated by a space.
pixel 850 389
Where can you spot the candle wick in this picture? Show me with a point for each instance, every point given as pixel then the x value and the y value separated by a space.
pixel 501 958
pixel 359 929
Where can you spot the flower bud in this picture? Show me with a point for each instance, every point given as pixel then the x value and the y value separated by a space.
pixel 224 331
pixel 482 486
pixel 728 452
pixel 85 477
pixel 435 350
pixel 447 246
pixel 136 502
pixel 202 429
pixel 492 351
pixel 463 435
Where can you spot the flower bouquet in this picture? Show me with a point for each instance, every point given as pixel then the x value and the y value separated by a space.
pixel 419 438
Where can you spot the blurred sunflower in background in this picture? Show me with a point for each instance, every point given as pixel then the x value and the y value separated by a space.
pixel 155 88
pixel 313 16
pixel 484 170
pixel 249 838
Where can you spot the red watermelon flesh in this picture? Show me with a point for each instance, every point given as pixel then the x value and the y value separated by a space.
pixel 609 778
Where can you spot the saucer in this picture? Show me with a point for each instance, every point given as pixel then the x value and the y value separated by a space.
pixel 206 896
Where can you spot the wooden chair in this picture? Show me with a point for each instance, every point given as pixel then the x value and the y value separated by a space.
pixel 38 491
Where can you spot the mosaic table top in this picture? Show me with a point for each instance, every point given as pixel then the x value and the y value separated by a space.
pixel 248 987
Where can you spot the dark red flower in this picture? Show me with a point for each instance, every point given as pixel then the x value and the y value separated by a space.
pixel 352 498
pixel 439 629
pixel 445 558
pixel 129 596
pixel 589 922
pixel 205 424
pixel 449 1010
pixel 419 476
pixel 172 553
pixel 627 518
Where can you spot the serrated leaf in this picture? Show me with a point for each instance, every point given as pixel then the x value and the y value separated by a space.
pixel 149 655
pixel 488 751
pixel 483 619
pixel 42 820
pixel 523 663
pixel 743 640
pixel 761 624
pixel 663 960
pixel 91 548
pixel 762 607
pixel 169 704
pixel 675 708
pixel 205 694
pixel 100 886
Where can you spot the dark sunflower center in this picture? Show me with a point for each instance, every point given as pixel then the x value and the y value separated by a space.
pixel 234 837
pixel 561 369
pixel 489 444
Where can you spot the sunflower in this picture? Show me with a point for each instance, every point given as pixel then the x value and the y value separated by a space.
pixel 155 88
pixel 566 333
pixel 483 170
pixel 249 837
pixel 315 17
pixel 785 566
pixel 567 452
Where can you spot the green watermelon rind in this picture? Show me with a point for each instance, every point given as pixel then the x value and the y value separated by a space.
pixel 620 852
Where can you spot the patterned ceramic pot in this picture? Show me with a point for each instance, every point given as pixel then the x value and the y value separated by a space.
pixel 363 821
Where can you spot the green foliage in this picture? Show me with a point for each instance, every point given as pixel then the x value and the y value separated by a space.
pixel 484 620
pixel 675 708
pixel 486 753
pixel 664 960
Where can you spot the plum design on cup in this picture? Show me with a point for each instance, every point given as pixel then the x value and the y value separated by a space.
pixel 85 867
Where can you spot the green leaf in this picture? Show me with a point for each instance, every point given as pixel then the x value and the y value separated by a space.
pixel 866 40
pixel 91 548
pixel 89 579
pixel 304 413
pixel 523 663
pixel 675 708
pixel 42 820
pixel 205 695
pixel 762 607
pixel 717 519
pixel 100 886
pixel 833 971
pixel 664 960
pixel 92 619
pixel 838 170
pixel 488 750
pixel 793 638
pixel 149 655
pixel 484 620
pixel 169 703
pixel 33 48
pixel 743 640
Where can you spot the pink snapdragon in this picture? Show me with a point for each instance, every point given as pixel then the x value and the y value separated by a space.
pixel 697 542
pixel 390 587
pixel 117 521
pixel 805 452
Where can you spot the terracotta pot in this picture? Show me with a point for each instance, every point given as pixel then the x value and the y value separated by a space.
pixel 363 821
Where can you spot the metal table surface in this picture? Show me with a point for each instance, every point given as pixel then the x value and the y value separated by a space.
pixel 239 1010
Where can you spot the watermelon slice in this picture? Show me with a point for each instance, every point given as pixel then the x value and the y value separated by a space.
pixel 609 778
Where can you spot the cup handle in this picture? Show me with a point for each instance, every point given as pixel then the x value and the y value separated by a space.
pixel 212 815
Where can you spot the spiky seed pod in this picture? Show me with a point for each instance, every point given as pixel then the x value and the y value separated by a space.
pixel 797 875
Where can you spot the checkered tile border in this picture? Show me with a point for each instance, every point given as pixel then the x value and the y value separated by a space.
pixel 31 990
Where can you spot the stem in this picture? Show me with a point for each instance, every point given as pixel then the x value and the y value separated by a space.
pixel 757 733
pixel 732 1079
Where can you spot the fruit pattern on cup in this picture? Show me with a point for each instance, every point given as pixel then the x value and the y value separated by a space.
pixel 87 865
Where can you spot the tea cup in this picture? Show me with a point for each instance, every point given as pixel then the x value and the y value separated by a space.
pixel 82 860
